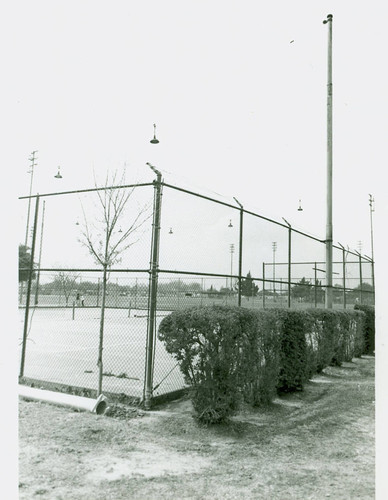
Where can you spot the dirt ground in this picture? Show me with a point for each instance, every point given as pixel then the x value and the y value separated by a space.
pixel 314 444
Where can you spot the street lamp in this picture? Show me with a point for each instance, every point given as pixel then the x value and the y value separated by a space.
pixel 58 174
pixel 154 140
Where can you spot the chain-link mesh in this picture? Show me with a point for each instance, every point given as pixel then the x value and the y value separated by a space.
pixel 212 252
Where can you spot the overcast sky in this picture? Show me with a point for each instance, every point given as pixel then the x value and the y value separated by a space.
pixel 237 90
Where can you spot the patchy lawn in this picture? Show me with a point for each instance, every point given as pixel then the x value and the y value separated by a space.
pixel 314 444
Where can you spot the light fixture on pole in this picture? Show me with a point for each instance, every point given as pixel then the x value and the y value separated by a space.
pixel 58 174
pixel 230 223
pixel 300 209
pixel 170 231
pixel 154 140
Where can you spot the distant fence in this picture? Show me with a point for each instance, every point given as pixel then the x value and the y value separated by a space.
pixel 198 251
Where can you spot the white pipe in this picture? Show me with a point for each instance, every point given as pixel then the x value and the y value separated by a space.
pixel 98 405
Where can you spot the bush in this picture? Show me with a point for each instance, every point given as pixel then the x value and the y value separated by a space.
pixel 294 370
pixel 261 359
pixel 369 327
pixel 333 337
pixel 230 354
pixel 208 344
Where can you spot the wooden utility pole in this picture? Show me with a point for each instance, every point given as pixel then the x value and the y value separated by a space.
pixel 33 164
pixel 372 209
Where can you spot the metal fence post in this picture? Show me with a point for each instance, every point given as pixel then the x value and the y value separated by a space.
pixel 27 311
pixel 289 262
pixel 344 274
pixel 240 250
pixel 360 265
pixel 40 257
pixel 289 266
pixel 263 285
pixel 152 292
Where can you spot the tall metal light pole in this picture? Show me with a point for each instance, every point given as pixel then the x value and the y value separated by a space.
pixel 372 209
pixel 329 187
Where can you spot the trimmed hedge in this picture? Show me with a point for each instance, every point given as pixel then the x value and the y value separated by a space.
pixel 333 337
pixel 208 343
pixel 369 327
pixel 231 354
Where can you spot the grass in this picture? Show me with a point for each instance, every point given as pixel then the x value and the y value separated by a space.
pixel 314 444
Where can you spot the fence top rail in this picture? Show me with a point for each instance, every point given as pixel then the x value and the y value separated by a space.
pixel 83 270
pixel 242 209
pixel 353 252
pixel 90 190
pixel 366 261
pixel 193 193
pixel 217 275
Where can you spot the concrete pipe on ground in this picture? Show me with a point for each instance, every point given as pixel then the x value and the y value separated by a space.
pixel 98 406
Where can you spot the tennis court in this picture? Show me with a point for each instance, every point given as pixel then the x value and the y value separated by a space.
pixel 64 350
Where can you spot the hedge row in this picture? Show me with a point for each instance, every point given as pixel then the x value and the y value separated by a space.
pixel 230 354
pixel 369 328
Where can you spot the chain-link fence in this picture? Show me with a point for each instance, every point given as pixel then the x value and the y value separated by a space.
pixel 93 326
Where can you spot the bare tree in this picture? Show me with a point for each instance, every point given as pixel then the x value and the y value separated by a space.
pixel 105 239
pixel 67 281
